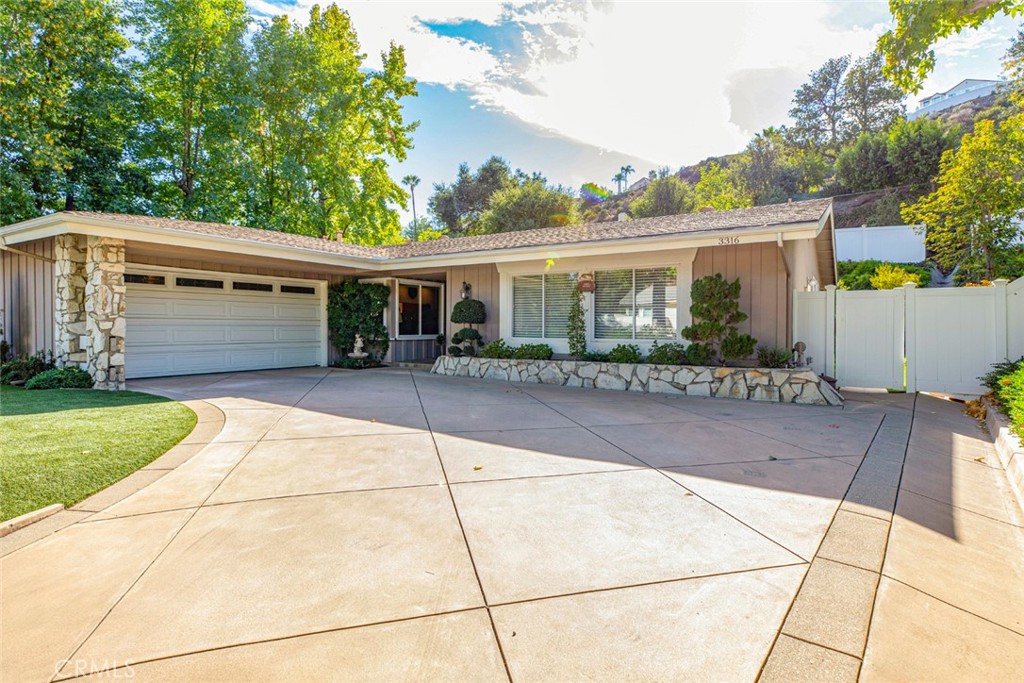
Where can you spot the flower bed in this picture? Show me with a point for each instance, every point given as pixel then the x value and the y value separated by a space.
pixel 755 384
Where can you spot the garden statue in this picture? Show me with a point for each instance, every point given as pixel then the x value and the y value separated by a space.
pixel 798 351
pixel 357 348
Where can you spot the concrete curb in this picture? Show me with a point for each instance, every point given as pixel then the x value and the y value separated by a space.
pixel 1009 449
pixel 22 521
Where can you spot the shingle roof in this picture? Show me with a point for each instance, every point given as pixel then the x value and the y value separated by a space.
pixel 286 239
pixel 712 221
pixel 736 219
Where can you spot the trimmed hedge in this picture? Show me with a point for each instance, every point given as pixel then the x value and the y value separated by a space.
pixel 469 312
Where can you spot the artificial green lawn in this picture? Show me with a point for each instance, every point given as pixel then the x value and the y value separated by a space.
pixel 63 445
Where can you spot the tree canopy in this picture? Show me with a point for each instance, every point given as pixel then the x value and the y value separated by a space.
pixel 208 117
pixel 975 212
pixel 909 56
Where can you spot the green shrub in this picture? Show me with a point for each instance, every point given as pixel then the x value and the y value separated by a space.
pixel 716 315
pixel 773 357
pixel 533 352
pixel 497 349
pixel 736 346
pixel 466 334
pixel 595 356
pixel 61 378
pixel 577 334
pixel 625 353
pixel 25 367
pixel 469 312
pixel 993 378
pixel 356 363
pixel 699 354
pixel 667 354
pixel 888 276
pixel 358 308
pixel 1011 395
pixel 454 350
pixel 856 275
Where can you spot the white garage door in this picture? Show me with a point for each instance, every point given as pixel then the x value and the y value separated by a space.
pixel 190 322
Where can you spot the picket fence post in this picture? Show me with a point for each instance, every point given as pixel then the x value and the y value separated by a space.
pixel 1002 339
pixel 910 335
pixel 830 331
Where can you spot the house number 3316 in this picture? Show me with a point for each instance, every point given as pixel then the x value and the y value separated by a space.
pixel 728 240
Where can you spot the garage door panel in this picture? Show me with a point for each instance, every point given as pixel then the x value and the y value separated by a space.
pixel 256 311
pixel 145 307
pixel 177 331
pixel 195 334
pixel 200 309
pixel 298 312
pixel 298 334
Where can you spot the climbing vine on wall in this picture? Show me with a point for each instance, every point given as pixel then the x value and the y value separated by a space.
pixel 358 308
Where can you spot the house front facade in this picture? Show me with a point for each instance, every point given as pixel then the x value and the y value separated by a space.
pixel 131 296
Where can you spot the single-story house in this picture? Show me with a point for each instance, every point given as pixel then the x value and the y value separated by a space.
pixel 135 296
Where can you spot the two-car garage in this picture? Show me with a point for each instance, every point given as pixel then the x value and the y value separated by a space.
pixel 182 322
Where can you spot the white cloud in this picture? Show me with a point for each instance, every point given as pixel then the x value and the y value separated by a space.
pixel 654 80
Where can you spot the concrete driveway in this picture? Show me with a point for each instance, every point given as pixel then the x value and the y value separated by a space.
pixel 397 526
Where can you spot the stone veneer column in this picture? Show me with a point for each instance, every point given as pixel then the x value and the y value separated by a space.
pixel 104 311
pixel 69 295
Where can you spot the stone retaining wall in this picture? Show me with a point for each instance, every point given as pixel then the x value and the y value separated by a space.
pixel 781 386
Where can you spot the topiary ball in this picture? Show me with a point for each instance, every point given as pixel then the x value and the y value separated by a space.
pixel 469 312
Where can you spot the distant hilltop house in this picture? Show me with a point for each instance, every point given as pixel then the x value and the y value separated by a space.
pixel 964 91
pixel 639 185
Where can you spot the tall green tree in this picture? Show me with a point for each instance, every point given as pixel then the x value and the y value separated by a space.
pixel 193 70
pixel 870 102
pixel 458 205
pixel 909 56
pixel 666 196
pixel 865 164
pixel 67 109
pixel 974 214
pixel 719 189
pixel 818 104
pixel 323 130
pixel 533 204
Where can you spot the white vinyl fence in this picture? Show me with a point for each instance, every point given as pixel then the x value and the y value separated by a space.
pixel 937 340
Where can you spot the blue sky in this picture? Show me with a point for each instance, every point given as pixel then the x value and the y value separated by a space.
pixel 576 90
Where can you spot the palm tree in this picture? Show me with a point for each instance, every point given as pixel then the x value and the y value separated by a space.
pixel 618 179
pixel 626 171
pixel 412 181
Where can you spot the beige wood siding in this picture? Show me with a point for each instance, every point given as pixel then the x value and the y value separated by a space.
pixel 27 297
pixel 764 287
pixel 486 287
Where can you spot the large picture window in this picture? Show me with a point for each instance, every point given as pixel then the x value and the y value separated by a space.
pixel 635 303
pixel 419 310
pixel 540 305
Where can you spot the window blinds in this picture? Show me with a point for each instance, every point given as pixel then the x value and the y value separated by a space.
pixel 635 304
pixel 540 305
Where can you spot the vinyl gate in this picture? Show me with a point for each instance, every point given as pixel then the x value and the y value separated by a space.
pixel 944 338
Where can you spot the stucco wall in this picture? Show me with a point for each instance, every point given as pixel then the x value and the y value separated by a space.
pixel 486 287
pixel 764 294
pixel 27 297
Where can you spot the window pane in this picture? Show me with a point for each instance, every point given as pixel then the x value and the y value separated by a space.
pixel 527 305
pixel 559 289
pixel 613 304
pixel 431 298
pixel 408 309
pixel 656 303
